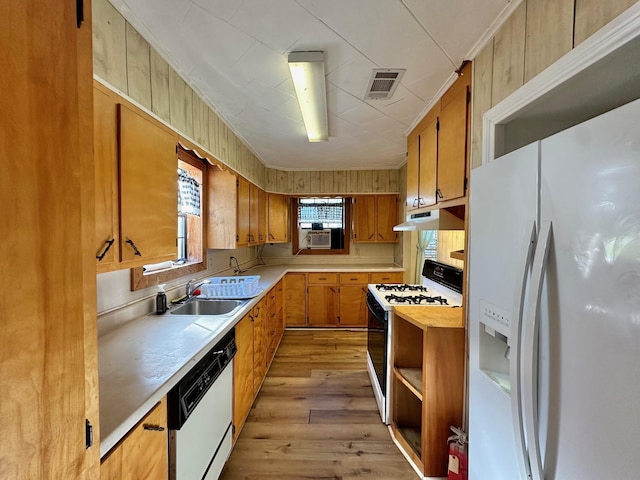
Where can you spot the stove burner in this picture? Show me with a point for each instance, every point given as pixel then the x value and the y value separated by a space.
pixel 415 299
pixel 400 287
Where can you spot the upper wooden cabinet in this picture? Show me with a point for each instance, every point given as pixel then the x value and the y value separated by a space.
pixel 105 159
pixel 437 149
pixel 452 146
pixel 254 214
pixel 374 217
pixel 136 190
pixel 278 211
pixel 148 189
pixel 262 216
pixel 243 212
pixel 222 226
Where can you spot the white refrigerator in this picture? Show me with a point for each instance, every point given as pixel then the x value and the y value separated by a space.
pixel 554 302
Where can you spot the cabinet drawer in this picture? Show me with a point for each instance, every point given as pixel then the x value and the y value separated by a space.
pixel 354 278
pixel 322 278
pixel 389 277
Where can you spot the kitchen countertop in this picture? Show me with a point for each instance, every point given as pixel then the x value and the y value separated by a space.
pixel 425 316
pixel 142 360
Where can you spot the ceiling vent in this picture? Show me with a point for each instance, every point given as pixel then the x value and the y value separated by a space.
pixel 383 82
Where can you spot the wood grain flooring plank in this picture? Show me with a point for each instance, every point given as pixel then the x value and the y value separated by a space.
pixel 343 417
pixel 274 431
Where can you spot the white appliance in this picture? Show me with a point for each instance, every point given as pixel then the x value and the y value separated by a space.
pixel 554 302
pixel 441 287
pixel 200 410
pixel 319 239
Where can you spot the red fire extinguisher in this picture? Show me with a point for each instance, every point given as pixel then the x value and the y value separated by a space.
pixel 458 456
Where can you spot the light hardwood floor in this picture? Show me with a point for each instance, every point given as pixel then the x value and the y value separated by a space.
pixel 316 417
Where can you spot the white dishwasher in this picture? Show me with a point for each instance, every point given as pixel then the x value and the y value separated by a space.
pixel 200 416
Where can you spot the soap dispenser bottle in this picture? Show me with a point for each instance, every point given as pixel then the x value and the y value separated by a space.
pixel 161 300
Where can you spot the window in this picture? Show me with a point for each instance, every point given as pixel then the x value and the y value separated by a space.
pixel 191 250
pixel 322 226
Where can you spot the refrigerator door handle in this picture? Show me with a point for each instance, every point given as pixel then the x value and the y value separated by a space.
pixel 515 367
pixel 529 353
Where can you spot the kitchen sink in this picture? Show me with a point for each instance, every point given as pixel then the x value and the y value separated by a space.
pixel 201 306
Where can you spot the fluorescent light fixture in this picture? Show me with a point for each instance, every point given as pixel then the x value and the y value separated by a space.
pixel 307 72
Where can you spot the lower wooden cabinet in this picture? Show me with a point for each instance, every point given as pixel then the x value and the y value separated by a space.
pixel 353 306
pixel 328 299
pixel 243 384
pixel 386 277
pixel 295 293
pixel 256 340
pixel 259 317
pixel 143 453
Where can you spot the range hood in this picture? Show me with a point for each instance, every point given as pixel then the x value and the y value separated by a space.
pixel 432 220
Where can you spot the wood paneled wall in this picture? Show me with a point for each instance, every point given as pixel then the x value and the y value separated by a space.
pixel 344 181
pixel 536 34
pixel 124 59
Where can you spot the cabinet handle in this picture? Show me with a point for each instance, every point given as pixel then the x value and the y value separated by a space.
pixel 152 427
pixel 271 237
pixel 439 194
pixel 381 236
pixel 79 12
pixel 107 246
pixel 133 245
pixel 322 278
pixel 371 236
pixel 416 201
pixel 354 279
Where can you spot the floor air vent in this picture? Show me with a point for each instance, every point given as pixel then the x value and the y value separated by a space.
pixel 383 82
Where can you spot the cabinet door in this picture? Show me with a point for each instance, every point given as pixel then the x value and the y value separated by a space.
pixel 295 290
pixel 263 211
pixel 260 342
pixel 148 189
pixel 48 269
pixel 364 219
pixel 428 163
pixel 390 277
pixel 143 454
pixel 413 170
pixel 452 148
pixel 278 219
pixel 254 214
pixel 243 388
pixel 322 305
pixel 105 159
pixel 243 212
pixel 386 218
pixel 222 198
pixel 353 305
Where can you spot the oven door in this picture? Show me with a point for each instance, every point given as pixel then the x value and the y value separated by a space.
pixel 377 332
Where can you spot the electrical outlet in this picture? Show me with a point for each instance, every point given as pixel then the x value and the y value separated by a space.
pixel 357 251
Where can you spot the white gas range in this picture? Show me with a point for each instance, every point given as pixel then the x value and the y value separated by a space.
pixel 441 287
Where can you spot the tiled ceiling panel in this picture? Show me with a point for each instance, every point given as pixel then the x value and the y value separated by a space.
pixel 234 52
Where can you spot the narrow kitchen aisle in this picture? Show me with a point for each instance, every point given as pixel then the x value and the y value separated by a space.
pixel 316 416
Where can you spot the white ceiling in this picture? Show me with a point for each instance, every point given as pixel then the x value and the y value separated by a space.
pixel 234 53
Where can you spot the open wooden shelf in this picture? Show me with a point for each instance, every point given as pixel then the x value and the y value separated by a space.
pixel 458 255
pixel 427 383
pixel 411 378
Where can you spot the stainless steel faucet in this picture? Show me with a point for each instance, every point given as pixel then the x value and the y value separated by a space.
pixel 192 288
pixel 236 267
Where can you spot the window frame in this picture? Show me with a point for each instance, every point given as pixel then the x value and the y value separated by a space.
pixel 295 248
pixel 141 281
